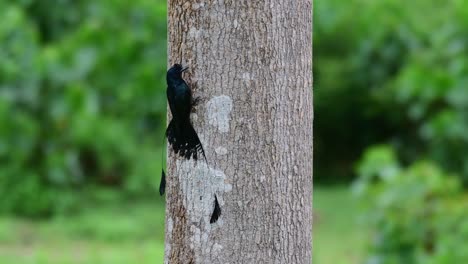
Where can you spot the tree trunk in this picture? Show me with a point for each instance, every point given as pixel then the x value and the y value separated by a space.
pixel 251 65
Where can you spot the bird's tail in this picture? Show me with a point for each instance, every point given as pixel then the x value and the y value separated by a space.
pixel 162 184
pixel 184 140
pixel 216 211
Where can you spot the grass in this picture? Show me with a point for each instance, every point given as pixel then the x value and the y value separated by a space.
pixel 111 234
pixel 338 237
pixel 133 232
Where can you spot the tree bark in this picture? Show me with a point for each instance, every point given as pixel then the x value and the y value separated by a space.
pixel 251 65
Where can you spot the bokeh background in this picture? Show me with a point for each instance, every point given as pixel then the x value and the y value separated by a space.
pixel 82 115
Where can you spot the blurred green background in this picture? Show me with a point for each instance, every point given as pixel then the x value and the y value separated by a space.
pixel 82 114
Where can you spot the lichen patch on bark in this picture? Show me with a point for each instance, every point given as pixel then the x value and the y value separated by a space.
pixel 221 150
pixel 218 111
pixel 199 183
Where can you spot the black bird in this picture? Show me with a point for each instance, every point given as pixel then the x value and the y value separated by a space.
pixel 180 132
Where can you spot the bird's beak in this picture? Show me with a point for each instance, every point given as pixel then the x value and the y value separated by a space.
pixel 184 69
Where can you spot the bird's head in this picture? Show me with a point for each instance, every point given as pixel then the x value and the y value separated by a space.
pixel 176 71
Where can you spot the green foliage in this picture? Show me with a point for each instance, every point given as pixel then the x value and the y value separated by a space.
pixel 414 211
pixel 396 72
pixel 392 74
pixel 81 100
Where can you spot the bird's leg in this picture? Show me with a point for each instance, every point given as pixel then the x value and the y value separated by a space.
pixel 195 102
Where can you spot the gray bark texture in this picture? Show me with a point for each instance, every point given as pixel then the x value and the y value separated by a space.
pixel 251 66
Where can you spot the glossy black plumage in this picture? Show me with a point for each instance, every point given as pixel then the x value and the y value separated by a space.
pixel 180 132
